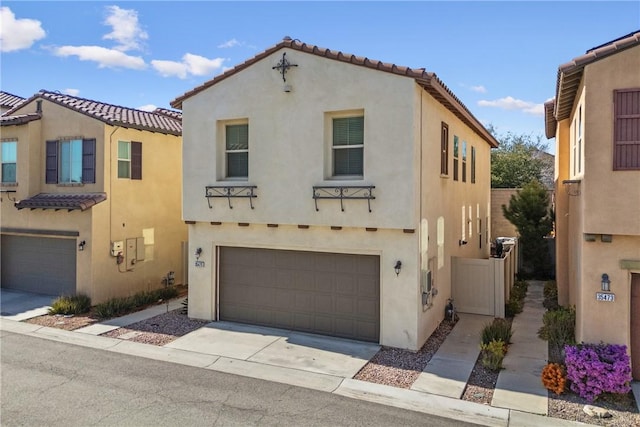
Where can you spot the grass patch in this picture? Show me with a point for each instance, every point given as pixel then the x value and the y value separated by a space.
pixel 74 304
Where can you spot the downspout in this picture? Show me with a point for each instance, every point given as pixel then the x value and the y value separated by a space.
pixel 111 182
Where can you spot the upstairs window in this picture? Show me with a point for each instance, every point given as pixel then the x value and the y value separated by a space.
pixel 444 149
pixel 464 161
pixel 456 151
pixel 473 165
pixel 237 150
pixel 626 143
pixel 129 160
pixel 8 157
pixel 348 146
pixel 70 161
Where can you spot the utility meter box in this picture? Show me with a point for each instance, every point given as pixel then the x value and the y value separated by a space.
pixel 117 248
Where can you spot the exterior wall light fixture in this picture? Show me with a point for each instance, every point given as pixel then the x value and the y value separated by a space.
pixel 81 245
pixel 605 283
pixel 398 267
pixel 198 253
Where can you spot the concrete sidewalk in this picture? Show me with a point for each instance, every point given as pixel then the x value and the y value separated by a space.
pixel 321 363
pixel 519 384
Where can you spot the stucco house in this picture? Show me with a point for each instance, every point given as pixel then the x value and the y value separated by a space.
pixel 595 119
pixel 327 193
pixel 90 197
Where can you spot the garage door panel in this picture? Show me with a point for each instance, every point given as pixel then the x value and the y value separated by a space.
pixel 39 264
pixel 324 304
pixel 305 291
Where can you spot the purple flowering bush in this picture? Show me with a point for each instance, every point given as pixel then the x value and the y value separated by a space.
pixel 594 369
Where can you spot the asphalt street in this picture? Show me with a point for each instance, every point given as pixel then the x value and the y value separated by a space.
pixel 50 383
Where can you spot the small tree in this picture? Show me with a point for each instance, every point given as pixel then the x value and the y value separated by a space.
pixel 520 159
pixel 530 213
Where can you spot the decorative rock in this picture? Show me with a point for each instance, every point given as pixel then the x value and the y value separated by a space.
pixel 595 412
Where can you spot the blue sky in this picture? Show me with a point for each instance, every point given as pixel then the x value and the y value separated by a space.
pixel 500 58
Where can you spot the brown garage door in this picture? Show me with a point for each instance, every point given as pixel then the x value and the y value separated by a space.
pixel 323 293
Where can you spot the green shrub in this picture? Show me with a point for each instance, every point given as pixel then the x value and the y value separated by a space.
pixel 551 295
pixel 498 330
pixel 114 307
pixel 75 304
pixel 120 306
pixel 493 354
pixel 559 329
pixel 165 293
pixel 513 307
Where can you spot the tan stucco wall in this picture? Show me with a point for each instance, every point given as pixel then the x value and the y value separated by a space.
pixel 500 226
pixel 619 193
pixel 604 202
pixel 131 205
pixel 443 198
pixel 611 324
pixel 289 153
pixel 288 129
pixel 565 296
pixel 397 294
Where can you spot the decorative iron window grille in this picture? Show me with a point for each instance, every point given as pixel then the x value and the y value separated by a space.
pixel 343 192
pixel 231 192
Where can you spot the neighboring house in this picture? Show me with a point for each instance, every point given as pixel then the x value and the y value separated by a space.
pixel 327 193
pixel 90 197
pixel 9 101
pixel 595 118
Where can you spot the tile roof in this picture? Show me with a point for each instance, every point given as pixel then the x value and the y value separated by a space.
pixel 58 201
pixel 169 113
pixel 9 100
pixel 550 122
pixel 19 119
pixel 570 73
pixel 428 80
pixel 112 114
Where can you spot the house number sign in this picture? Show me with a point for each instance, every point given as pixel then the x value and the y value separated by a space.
pixel 199 263
pixel 605 296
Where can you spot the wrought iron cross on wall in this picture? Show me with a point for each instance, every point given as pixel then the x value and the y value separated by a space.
pixel 283 66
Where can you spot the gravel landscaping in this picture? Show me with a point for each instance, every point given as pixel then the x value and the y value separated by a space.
pixel 390 366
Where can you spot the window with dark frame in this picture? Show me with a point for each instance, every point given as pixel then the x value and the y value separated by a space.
pixel 237 150
pixel 464 161
pixel 130 160
pixel 444 149
pixel 455 157
pixel 626 143
pixel 473 165
pixel 348 146
pixel 70 161
pixel 8 157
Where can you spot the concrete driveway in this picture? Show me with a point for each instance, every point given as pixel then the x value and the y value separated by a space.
pixel 279 348
pixel 19 305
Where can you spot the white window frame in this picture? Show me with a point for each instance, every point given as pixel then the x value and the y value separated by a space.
pixel 72 144
pixel 124 159
pixel 330 157
pixel 3 161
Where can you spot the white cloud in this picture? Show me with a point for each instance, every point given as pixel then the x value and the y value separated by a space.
pixel 126 30
pixel 170 68
pixel 479 89
pixel 72 92
pixel 104 57
pixel 16 34
pixel 510 103
pixel 191 65
pixel 229 43
pixel 148 107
